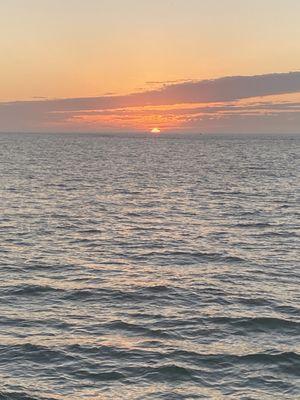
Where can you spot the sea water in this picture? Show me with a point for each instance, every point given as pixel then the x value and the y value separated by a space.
pixel 149 267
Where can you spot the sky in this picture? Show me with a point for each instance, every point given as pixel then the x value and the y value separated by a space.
pixel 132 65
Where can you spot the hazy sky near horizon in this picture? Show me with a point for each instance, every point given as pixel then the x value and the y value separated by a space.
pixel 73 49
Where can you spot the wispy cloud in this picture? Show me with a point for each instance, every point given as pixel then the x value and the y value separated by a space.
pixel 187 105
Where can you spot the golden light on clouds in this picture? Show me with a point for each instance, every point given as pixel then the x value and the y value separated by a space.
pixel 260 103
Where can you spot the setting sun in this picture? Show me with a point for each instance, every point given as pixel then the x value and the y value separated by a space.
pixel 155 130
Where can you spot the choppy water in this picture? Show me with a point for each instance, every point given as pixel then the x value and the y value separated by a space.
pixel 149 268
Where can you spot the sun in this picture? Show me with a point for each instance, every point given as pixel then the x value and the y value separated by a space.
pixel 155 130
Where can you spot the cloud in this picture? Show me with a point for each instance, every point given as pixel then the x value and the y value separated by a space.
pixel 227 92
pixel 243 123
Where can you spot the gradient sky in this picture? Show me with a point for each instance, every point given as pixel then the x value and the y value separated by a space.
pixel 105 49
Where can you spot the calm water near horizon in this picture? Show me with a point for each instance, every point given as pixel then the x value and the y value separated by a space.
pixel 149 267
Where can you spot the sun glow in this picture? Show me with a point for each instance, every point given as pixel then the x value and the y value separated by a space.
pixel 155 130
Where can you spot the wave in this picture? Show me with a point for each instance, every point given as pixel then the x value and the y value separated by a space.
pixel 138 329
pixel 34 353
pixel 30 290
pixel 99 376
pixel 257 322
pixel 10 395
pixel 34 322
pixel 169 372
pixel 285 362
pixel 191 257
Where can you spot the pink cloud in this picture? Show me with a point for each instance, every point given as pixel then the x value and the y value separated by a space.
pixel 217 99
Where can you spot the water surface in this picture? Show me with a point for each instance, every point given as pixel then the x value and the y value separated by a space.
pixel 149 267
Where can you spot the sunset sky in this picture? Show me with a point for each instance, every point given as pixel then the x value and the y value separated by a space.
pixel 132 65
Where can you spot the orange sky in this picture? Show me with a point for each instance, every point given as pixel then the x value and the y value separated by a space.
pixel 52 49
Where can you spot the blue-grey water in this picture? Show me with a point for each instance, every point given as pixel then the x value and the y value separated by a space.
pixel 149 267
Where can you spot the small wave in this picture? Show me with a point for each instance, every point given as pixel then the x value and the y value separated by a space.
pixel 252 225
pixel 7 395
pixel 280 234
pixel 99 376
pixel 157 288
pixel 32 352
pixel 140 294
pixel 258 323
pixel 254 301
pixel 169 372
pixel 90 231
pixel 95 293
pixel 24 322
pixel 282 360
pixel 265 358
pixel 32 290
pixel 134 328
pixel 198 256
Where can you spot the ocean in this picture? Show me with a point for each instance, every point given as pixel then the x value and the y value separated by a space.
pixel 149 267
